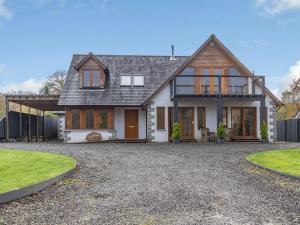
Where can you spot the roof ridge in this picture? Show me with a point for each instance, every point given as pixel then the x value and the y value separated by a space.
pixel 75 54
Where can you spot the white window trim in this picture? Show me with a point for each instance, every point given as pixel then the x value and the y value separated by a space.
pixel 132 84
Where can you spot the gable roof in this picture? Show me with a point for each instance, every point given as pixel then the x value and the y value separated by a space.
pixel 88 57
pixel 155 69
pixel 228 53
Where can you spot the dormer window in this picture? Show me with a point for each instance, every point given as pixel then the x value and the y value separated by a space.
pixel 132 80
pixel 93 79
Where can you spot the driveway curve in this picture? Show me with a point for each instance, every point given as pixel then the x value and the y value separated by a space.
pixel 156 184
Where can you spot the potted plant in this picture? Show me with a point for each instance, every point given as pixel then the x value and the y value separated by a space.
pixel 176 133
pixel 264 133
pixel 221 133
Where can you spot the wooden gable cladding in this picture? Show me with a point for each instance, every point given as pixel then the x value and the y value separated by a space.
pixel 96 117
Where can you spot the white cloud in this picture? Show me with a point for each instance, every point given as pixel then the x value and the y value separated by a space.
pixel 4 11
pixel 272 7
pixel 294 73
pixel 31 85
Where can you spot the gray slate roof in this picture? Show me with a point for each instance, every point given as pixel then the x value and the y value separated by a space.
pixel 156 70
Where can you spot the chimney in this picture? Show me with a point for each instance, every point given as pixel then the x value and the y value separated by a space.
pixel 172 58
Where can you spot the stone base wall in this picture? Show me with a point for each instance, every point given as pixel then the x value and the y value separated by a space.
pixel 79 136
pixel 272 121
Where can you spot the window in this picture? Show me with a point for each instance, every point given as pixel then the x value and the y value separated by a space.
pixel 217 72
pixel 205 84
pixel 75 119
pixel 89 121
pixel 160 113
pixel 96 78
pixel 103 119
pixel 201 118
pixel 138 80
pixel 186 82
pixel 225 116
pixel 237 85
pixel 86 78
pixel 93 78
pixel 126 81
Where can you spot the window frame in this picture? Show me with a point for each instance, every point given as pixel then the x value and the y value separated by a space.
pixel 91 77
pixel 225 109
pixel 204 117
pixel 93 119
pixel 163 120
pixel 130 81
pixel 138 85
pixel 72 119
pixel 107 118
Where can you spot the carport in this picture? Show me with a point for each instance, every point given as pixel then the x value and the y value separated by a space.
pixel 37 106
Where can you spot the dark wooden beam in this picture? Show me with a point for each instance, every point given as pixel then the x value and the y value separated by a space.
pixel 6 120
pixel 29 126
pixel 20 121
pixel 43 125
pixel 37 126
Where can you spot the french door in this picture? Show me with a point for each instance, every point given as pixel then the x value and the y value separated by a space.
pixel 186 122
pixel 243 122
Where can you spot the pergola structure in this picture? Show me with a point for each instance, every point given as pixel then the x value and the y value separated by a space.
pixel 39 103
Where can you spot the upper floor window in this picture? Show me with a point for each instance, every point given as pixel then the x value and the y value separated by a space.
pixel 93 79
pixel 135 80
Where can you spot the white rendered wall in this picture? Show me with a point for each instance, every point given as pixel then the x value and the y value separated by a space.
pixel 162 99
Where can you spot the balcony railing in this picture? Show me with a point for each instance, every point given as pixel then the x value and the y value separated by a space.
pixel 227 85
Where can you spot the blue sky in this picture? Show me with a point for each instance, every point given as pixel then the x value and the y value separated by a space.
pixel 38 37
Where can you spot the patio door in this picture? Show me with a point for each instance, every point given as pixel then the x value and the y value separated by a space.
pixel 186 122
pixel 186 118
pixel 243 122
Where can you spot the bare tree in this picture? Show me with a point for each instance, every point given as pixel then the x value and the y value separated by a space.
pixel 54 84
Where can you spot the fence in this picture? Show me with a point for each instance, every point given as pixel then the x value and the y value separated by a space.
pixel 288 130
pixel 17 132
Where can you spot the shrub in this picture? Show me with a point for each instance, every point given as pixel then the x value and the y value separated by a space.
pixel 264 131
pixel 176 131
pixel 221 131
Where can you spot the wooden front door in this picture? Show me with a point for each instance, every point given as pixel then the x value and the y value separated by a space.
pixel 131 124
pixel 243 122
pixel 186 120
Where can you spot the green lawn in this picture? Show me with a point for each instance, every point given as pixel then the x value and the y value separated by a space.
pixel 22 168
pixel 285 161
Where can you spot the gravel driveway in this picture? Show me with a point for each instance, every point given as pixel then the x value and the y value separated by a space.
pixel 151 184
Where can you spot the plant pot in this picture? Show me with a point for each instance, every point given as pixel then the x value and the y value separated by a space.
pixel 264 141
pixel 220 141
pixel 176 141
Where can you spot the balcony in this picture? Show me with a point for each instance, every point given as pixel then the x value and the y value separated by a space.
pixel 219 86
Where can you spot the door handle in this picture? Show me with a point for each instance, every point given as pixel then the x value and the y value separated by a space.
pixel 131 126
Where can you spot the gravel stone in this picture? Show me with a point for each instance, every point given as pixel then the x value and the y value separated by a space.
pixel 154 184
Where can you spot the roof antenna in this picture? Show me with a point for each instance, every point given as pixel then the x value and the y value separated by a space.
pixel 172 58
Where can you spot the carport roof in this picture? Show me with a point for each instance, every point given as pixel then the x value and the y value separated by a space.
pixel 40 102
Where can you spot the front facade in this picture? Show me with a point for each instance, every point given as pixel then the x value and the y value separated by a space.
pixel 140 97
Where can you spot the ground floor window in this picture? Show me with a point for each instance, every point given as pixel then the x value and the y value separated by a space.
pixel 103 119
pixel 160 123
pixel 96 118
pixel 201 118
pixel 225 116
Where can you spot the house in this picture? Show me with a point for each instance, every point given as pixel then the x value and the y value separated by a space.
pixel 140 97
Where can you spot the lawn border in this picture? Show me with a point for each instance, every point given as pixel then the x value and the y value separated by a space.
pixel 28 190
pixel 274 171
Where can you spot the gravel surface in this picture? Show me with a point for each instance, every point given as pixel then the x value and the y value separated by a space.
pixel 151 184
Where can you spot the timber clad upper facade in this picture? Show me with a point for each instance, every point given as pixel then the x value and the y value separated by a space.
pixel 139 97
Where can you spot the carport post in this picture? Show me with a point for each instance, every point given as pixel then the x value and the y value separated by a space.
pixel 29 126
pixel 6 120
pixel 43 125
pixel 37 125
pixel 20 121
